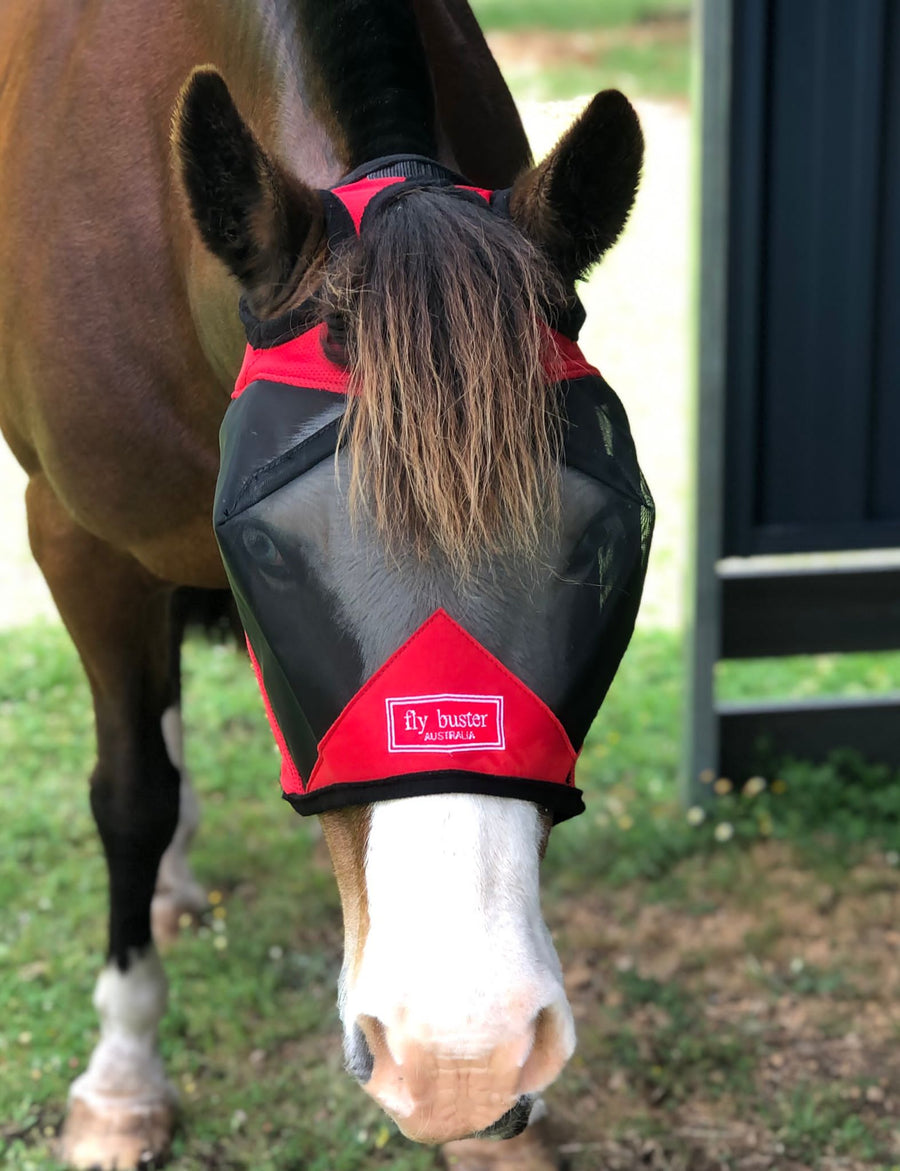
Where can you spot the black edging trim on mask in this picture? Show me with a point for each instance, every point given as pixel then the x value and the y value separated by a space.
pixel 568 321
pixel 561 801
pixel 403 167
pixel 283 468
pixel 580 398
pixel 266 333
pixel 339 225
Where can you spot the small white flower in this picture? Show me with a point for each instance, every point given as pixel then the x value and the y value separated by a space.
pixel 754 787
pixel 696 815
pixel 724 831
pixel 797 965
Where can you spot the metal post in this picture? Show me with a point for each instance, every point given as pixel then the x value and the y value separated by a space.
pixel 711 170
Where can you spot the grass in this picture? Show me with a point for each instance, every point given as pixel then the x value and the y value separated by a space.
pixel 675 1052
pixel 567 15
pixel 658 67
pixel 251 1038
pixel 811 1120
pixel 554 51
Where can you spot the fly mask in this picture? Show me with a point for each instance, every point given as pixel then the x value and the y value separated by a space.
pixel 445 699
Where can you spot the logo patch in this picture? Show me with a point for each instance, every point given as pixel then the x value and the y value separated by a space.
pixel 442 723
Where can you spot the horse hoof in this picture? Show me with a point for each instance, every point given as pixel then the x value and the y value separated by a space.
pixel 172 912
pixel 116 1136
pixel 529 1151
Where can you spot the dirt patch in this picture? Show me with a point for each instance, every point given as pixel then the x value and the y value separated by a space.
pixel 748 1028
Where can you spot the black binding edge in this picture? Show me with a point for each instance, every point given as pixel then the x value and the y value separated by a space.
pixel 577 395
pixel 266 333
pixel 405 167
pixel 561 801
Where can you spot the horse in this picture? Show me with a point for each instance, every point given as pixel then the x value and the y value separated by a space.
pixel 142 194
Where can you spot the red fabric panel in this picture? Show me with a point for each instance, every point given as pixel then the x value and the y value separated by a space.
pixel 299 362
pixel 355 196
pixel 570 363
pixel 290 777
pixel 443 702
pixel 302 362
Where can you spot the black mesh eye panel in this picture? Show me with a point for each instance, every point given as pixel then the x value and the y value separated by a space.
pixel 310 656
pixel 259 454
pixel 598 440
pixel 601 612
pixel 301 639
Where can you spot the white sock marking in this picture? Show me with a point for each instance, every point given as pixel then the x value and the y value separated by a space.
pixel 125 1064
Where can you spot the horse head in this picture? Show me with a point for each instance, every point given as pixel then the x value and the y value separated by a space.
pixel 435 527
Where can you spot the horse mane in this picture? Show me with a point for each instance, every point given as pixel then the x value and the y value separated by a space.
pixel 368 74
pixel 452 428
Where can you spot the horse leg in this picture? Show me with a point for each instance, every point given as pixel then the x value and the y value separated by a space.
pixel 178 893
pixel 122 1109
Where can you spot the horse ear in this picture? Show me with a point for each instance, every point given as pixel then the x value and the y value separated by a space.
pixel 250 213
pixel 576 202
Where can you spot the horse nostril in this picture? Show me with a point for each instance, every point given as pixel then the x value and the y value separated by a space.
pixel 554 1042
pixel 512 1123
pixel 358 1057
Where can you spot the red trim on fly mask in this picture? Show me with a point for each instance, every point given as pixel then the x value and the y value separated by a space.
pixel 356 196
pixel 290 777
pixel 298 362
pixel 442 702
pixel 568 363
pixel 301 361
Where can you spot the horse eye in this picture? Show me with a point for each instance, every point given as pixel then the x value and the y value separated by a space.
pixel 263 549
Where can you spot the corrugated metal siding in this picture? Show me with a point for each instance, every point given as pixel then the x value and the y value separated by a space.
pixel 812 445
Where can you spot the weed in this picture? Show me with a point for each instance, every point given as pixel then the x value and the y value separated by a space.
pixel 812 1122
pixel 666 1045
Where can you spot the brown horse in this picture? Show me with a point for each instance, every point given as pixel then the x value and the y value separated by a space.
pixel 121 272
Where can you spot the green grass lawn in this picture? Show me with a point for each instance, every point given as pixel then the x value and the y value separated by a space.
pixel 573 14
pixel 552 51
pixel 252 1036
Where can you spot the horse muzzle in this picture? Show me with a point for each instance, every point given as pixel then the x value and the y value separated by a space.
pixel 436 1096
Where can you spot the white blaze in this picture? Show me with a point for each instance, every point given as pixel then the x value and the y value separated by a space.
pixel 457 954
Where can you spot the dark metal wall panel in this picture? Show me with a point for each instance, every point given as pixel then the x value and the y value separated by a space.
pixel 754 737
pixel 798 403
pixel 810 612
pixel 885 480
pixel 812 357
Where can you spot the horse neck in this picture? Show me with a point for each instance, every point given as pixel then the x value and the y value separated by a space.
pixel 257 46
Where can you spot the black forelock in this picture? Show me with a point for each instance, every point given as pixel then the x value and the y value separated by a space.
pixel 371 64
